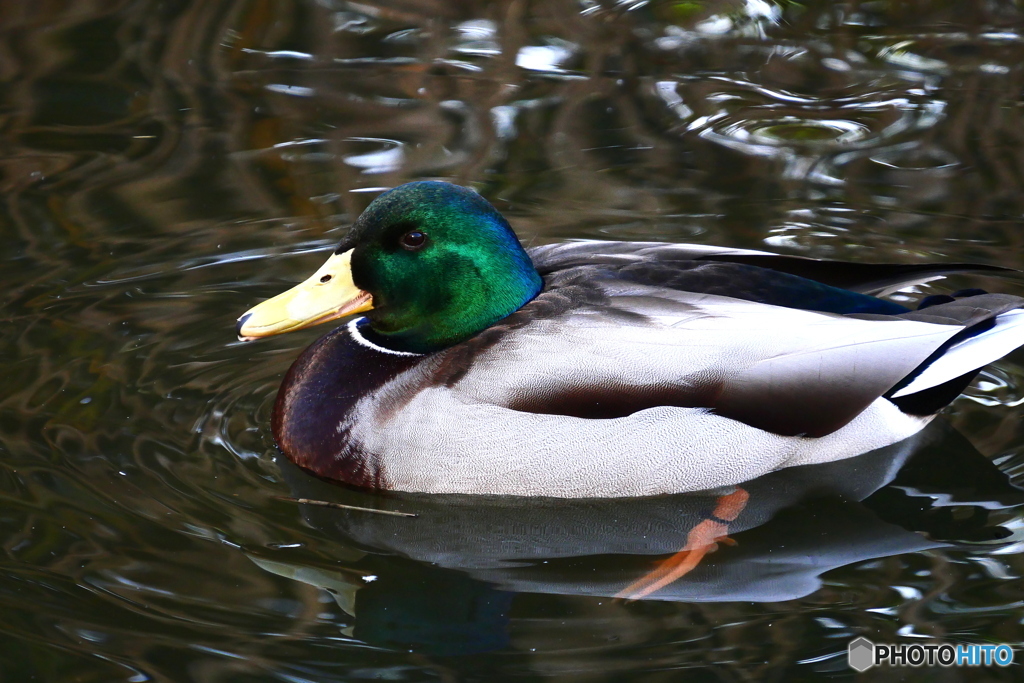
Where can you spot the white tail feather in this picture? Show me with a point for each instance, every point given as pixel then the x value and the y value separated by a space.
pixel 972 353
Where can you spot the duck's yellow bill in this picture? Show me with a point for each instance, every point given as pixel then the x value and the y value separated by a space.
pixel 328 294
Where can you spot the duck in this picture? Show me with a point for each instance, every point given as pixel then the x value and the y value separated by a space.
pixel 464 363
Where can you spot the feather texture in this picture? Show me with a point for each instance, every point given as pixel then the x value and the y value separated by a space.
pixel 641 369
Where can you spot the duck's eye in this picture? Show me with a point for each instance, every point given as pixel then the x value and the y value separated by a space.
pixel 326 278
pixel 414 240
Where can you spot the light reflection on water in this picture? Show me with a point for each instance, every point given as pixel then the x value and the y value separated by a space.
pixel 165 165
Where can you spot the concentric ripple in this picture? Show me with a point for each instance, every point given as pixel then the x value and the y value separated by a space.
pixel 757 120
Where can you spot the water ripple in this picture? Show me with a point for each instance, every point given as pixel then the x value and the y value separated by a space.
pixel 167 165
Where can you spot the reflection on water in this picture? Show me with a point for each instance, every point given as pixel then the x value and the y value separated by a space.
pixel 793 526
pixel 164 165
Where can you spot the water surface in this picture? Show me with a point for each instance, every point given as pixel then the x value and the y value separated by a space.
pixel 166 164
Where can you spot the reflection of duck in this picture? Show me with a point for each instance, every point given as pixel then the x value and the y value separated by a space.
pixel 602 369
pixel 447 579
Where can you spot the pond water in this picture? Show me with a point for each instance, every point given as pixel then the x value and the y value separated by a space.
pixel 165 164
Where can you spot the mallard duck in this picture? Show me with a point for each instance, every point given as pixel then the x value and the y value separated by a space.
pixel 603 369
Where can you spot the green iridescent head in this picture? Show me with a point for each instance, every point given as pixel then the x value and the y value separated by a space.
pixel 440 263
pixel 431 264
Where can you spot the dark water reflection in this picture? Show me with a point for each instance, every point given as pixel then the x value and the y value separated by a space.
pixel 165 164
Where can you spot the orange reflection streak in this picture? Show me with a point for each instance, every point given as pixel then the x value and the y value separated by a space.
pixel 701 540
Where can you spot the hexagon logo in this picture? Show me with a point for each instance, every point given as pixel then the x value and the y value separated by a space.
pixel 861 654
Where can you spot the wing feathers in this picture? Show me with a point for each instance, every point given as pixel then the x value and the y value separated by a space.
pixel 787 371
pixel 865 278
pixel 636 336
pixel 971 354
pixel 815 392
